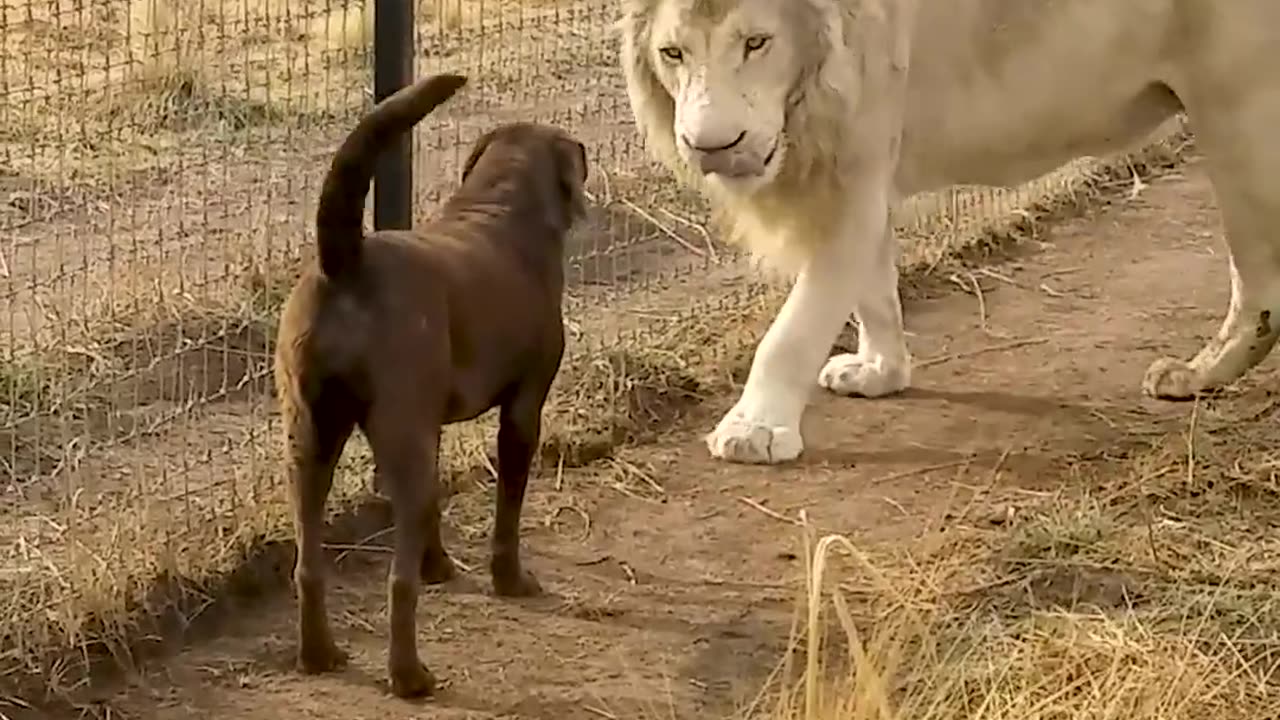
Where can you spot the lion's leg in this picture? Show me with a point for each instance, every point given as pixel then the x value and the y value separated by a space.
pixel 1237 137
pixel 764 426
pixel 881 365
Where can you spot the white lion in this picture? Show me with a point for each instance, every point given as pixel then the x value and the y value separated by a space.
pixel 803 120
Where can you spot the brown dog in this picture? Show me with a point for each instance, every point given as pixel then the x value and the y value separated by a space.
pixel 401 332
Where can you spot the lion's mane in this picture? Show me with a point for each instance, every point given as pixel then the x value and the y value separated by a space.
pixel 781 222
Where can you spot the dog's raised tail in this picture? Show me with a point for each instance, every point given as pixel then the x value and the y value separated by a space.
pixel 340 215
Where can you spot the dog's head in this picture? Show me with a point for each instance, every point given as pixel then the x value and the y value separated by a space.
pixel 557 160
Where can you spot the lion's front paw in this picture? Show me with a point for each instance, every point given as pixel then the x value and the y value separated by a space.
pixel 740 439
pixel 1171 379
pixel 851 374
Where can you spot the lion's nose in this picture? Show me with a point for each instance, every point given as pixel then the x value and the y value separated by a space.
pixel 710 147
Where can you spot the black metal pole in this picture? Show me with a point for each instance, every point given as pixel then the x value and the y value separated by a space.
pixel 392 70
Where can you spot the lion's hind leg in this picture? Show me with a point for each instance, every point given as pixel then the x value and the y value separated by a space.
pixel 1236 132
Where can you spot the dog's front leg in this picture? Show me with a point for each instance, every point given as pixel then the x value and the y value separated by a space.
pixel 405 450
pixel 764 426
pixel 520 426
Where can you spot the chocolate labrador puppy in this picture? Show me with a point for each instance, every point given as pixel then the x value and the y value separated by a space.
pixel 400 332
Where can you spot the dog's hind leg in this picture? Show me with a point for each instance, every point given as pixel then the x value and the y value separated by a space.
pixel 519 429
pixel 437 567
pixel 405 440
pixel 315 435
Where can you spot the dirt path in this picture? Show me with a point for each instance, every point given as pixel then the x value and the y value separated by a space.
pixel 674 601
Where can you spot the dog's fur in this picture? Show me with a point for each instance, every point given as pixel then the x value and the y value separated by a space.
pixel 401 332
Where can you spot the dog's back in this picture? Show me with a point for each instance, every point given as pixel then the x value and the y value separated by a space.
pixel 479 285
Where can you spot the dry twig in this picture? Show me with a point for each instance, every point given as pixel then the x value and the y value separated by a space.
pixel 757 505
pixel 981 351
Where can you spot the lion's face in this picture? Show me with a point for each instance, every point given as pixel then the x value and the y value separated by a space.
pixel 729 66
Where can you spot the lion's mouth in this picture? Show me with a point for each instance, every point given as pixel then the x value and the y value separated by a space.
pixel 747 173
pixel 769 158
pixel 739 168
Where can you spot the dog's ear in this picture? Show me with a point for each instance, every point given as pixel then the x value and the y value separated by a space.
pixel 580 152
pixel 476 151
pixel 571 167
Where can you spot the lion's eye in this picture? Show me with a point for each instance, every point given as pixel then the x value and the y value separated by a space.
pixel 673 54
pixel 756 43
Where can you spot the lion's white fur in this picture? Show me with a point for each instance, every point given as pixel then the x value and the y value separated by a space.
pixel 887 98
pixel 789 207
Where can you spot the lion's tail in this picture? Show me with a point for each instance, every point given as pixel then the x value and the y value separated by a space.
pixel 340 215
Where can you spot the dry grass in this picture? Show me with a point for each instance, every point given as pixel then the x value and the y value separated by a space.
pixel 152 148
pixel 132 534
pixel 94 576
pixel 1092 604
pixel 124 78
pixel 351 27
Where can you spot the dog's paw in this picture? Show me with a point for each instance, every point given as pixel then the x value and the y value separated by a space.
pixel 853 375
pixel 1171 379
pixel 437 568
pixel 320 657
pixel 739 439
pixel 519 583
pixel 412 680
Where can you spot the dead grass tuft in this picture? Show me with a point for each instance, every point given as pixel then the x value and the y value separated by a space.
pixel 1093 605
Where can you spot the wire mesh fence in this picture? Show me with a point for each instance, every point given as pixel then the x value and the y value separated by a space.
pixel 159 161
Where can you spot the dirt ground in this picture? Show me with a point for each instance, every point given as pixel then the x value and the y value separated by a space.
pixel 670 585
